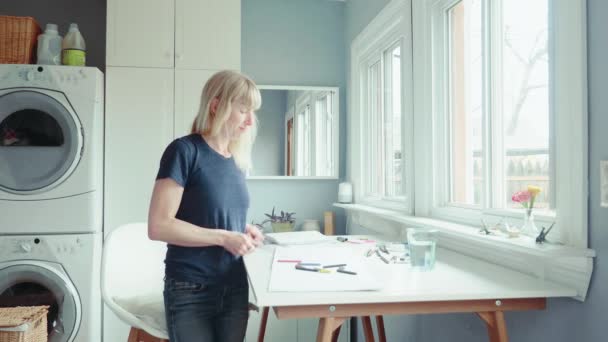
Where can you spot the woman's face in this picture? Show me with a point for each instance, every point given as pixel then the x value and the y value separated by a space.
pixel 241 118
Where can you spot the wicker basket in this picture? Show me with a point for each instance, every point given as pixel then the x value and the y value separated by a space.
pixel 18 36
pixel 23 324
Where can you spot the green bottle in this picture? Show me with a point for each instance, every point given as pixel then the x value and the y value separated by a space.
pixel 73 48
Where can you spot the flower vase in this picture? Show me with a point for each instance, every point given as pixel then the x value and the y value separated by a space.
pixel 529 227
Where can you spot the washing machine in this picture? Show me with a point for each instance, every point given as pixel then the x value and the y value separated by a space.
pixel 61 271
pixel 51 149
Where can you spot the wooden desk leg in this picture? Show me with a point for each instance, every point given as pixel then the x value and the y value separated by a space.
pixel 497 327
pixel 262 331
pixel 327 326
pixel 336 334
pixel 380 328
pixel 367 329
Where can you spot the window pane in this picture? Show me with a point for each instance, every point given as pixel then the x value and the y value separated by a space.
pixel 323 141
pixel 307 136
pixel 466 157
pixel 525 95
pixel 303 143
pixel 375 162
pixel 393 159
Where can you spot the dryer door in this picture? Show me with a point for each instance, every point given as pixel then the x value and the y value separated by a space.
pixel 40 140
pixel 34 283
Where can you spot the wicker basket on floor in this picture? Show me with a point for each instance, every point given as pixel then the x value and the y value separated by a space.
pixel 18 36
pixel 23 324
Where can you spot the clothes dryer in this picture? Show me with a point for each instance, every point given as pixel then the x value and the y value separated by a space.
pixel 61 271
pixel 51 149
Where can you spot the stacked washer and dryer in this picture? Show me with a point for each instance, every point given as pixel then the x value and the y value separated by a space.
pixel 51 195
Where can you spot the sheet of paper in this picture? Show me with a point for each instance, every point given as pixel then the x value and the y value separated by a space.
pixel 285 277
pixel 298 238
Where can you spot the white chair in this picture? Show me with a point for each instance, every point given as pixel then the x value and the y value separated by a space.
pixel 132 272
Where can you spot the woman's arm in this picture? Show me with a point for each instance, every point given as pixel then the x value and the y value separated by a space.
pixel 163 226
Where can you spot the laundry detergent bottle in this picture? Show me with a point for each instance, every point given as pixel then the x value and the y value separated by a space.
pixel 49 46
pixel 73 48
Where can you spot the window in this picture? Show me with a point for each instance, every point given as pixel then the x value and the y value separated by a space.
pixel 383 110
pixel 506 89
pixel 517 121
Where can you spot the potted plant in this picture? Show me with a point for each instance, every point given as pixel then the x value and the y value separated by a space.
pixel 282 223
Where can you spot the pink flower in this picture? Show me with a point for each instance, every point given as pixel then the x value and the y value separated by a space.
pixel 521 197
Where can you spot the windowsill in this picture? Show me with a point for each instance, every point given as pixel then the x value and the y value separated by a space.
pixel 563 264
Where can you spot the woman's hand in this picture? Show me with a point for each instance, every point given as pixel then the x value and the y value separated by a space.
pixel 238 243
pixel 255 234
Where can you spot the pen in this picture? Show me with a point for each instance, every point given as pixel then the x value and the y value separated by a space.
pixel 309 264
pixel 337 265
pixel 289 260
pixel 347 272
pixel 381 257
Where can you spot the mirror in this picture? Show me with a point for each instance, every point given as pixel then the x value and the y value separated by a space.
pixel 297 132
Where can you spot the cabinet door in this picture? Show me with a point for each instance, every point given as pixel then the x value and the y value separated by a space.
pixel 140 33
pixel 208 34
pixel 188 88
pixel 139 125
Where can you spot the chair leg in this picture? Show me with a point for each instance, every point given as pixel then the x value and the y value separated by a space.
pixel 133 335
pixel 138 335
pixel 262 331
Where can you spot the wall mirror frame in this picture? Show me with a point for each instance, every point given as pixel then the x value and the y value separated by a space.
pixel 298 133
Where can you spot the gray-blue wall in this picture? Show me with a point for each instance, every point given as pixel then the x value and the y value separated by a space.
pixel 295 42
pixel 565 320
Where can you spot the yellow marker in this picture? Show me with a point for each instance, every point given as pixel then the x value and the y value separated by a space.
pixel 322 270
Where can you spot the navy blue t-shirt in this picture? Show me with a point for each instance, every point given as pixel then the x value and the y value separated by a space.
pixel 215 196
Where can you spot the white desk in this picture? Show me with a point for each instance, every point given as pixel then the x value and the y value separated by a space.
pixel 457 284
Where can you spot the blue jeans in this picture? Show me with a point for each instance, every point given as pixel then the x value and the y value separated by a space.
pixel 205 313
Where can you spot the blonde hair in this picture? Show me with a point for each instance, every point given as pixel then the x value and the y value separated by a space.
pixel 229 87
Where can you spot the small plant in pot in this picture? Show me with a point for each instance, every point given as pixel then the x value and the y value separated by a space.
pixel 282 223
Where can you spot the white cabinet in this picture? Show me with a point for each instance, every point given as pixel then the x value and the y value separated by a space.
pixel 187 34
pixel 139 125
pixel 188 87
pixel 208 34
pixel 140 33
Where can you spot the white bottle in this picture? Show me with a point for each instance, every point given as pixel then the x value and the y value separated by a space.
pixel 49 46
pixel 73 47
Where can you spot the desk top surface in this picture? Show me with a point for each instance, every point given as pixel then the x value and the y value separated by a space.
pixel 454 277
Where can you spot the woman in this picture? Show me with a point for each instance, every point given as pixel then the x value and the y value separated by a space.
pixel 199 207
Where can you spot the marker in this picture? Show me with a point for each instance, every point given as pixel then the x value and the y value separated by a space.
pixel 287 260
pixel 337 265
pixel 320 270
pixel 301 268
pixel 309 264
pixel 347 272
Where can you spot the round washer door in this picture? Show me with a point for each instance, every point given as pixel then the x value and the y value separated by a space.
pixel 32 284
pixel 40 140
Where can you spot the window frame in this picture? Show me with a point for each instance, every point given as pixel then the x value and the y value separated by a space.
pixel 568 50
pixel 392 27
